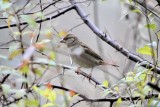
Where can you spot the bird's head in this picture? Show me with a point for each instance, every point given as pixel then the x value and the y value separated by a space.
pixel 70 40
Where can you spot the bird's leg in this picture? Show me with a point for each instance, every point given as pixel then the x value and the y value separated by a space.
pixel 90 74
pixel 78 70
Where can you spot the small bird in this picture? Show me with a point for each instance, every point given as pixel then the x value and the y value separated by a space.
pixel 82 54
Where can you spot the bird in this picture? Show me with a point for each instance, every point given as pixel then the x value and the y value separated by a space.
pixel 81 54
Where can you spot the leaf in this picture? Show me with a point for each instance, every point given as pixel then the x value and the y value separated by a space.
pixel 29 20
pixel 116 89
pixel 9 21
pixel 136 11
pixel 32 103
pixel 20 93
pixel 72 93
pixel 52 55
pixel 151 26
pixel 62 33
pixel 7 70
pixel 45 61
pixel 48 105
pixel 146 90
pixel 153 80
pixel 107 91
pixel 47 93
pixel 37 71
pixel 119 101
pixel 40 15
pixel 130 1
pixel 159 96
pixel 5 4
pixel 27 33
pixel 42 44
pixel 48 33
pixel 6 88
pixel 105 83
pixel 14 46
pixel 24 67
pixel 14 54
pixel 146 50
pixel 16 33
pixel 127 79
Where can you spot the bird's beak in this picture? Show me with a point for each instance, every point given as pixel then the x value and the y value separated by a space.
pixel 62 41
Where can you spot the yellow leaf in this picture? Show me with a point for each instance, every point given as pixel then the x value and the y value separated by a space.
pixel 105 83
pixel 14 54
pixel 153 80
pixel 9 21
pixel 146 50
pixel 119 101
pixel 62 33
pixel 116 89
pixel 48 33
pixel 52 55
pixel 49 105
pixel 6 1
pixel 159 96
pixel 16 33
pixel 47 93
pixel 24 67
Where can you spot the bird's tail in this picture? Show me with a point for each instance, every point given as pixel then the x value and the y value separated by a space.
pixel 108 63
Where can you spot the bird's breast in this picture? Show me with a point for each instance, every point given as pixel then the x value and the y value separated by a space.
pixel 82 59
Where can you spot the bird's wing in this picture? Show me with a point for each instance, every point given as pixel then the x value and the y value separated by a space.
pixel 91 52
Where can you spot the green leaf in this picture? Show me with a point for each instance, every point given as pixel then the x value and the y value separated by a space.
pixel 127 79
pixel 6 88
pixel 107 91
pixel 4 70
pixel 37 72
pixel 29 20
pixel 20 93
pixel 32 103
pixel 146 90
pixel 146 50
pixel 151 26
pixel 24 68
pixel 52 55
pixel 130 1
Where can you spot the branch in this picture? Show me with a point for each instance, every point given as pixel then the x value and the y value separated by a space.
pixel 84 98
pixel 40 21
pixel 108 39
pixel 154 86
pixel 76 69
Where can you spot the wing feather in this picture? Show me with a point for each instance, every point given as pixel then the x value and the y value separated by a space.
pixel 91 52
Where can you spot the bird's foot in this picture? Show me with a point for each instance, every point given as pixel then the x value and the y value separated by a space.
pixel 78 70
